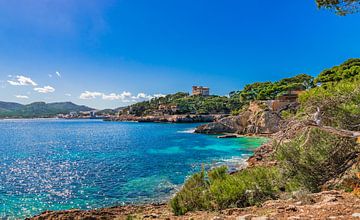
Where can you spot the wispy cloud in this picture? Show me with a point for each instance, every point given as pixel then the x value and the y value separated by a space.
pixel 22 96
pixel 90 95
pixel 67 94
pixel 45 89
pixel 58 74
pixel 22 81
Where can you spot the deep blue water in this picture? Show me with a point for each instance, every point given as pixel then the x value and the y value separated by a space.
pixel 63 164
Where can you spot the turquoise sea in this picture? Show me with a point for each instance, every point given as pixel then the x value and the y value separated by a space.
pixel 62 164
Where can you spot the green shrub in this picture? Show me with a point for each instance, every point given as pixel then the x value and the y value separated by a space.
pixel 217 189
pixel 245 188
pixel 192 196
pixel 287 114
pixel 315 157
pixel 339 103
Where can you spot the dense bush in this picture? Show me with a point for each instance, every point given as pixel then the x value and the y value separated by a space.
pixel 270 90
pixel 217 189
pixel 314 157
pixel 347 70
pixel 339 103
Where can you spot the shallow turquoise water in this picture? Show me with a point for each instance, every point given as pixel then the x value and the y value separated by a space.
pixel 59 164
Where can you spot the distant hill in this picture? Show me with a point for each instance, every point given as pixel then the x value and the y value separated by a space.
pixel 38 109
pixel 9 106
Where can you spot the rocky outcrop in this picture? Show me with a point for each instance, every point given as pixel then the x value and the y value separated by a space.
pixel 229 124
pixel 257 119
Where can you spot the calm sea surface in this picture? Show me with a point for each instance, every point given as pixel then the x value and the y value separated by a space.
pixel 59 164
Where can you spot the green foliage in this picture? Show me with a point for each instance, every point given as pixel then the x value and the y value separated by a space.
pixel 347 70
pixel 270 90
pixel 287 114
pixel 193 195
pixel 341 7
pixel 339 103
pixel 219 190
pixel 246 188
pixel 38 109
pixel 314 157
pixel 187 104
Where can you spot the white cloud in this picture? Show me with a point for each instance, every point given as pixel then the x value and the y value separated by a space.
pixel 22 81
pixel 126 94
pixel 159 95
pixel 67 94
pixel 50 75
pixel 45 89
pixel 58 74
pixel 90 95
pixel 111 96
pixel 22 96
pixel 123 97
pixel 142 96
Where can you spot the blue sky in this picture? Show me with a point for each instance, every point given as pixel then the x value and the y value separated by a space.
pixel 112 53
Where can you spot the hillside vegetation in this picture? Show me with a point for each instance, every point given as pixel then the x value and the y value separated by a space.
pixel 235 101
pixel 304 158
pixel 38 109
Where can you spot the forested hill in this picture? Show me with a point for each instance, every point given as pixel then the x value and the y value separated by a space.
pixel 185 103
pixel 38 109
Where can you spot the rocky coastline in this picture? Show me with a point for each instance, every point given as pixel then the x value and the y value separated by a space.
pixel 187 118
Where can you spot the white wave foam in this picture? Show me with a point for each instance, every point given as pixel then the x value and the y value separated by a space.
pixel 234 163
pixel 188 131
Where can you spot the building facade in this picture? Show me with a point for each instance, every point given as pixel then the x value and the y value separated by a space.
pixel 200 90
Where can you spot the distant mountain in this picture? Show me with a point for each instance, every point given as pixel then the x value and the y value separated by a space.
pixel 39 109
pixel 9 106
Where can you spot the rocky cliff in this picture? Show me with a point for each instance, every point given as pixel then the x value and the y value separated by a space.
pixel 257 119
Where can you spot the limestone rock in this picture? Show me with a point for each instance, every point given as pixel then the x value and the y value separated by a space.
pixel 257 119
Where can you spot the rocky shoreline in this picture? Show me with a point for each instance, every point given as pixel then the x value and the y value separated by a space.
pixel 323 205
pixel 169 118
